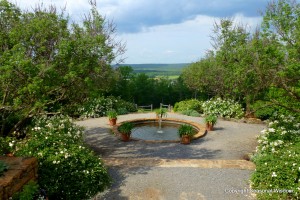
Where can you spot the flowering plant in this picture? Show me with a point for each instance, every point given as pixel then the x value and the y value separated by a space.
pixel 98 107
pixel 277 159
pixel 67 168
pixel 7 145
pixel 223 108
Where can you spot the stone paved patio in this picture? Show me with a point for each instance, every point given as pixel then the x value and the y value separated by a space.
pixel 136 166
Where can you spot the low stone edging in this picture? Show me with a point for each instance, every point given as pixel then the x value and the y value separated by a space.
pixel 20 172
pixel 197 163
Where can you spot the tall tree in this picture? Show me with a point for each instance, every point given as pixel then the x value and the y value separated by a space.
pixel 45 64
pixel 281 23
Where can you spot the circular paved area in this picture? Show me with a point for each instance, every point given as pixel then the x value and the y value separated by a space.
pixel 206 169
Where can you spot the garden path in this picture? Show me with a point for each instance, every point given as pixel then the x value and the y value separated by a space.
pixel 206 169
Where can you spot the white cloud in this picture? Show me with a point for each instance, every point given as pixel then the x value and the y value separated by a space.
pixel 161 31
pixel 175 43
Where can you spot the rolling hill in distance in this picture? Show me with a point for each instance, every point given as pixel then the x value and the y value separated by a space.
pixel 156 70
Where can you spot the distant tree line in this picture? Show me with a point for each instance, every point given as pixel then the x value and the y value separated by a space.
pixel 142 89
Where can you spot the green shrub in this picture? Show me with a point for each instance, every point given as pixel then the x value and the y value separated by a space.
pixel 277 160
pixel 223 108
pixel 29 192
pixel 67 169
pixel 98 107
pixel 121 104
pixel 192 104
pixel 262 110
pixel 266 110
pixel 122 111
pixel 192 113
pixel 7 145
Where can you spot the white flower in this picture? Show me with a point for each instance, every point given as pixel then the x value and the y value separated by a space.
pixel 54 161
pixel 11 144
pixel 264 131
pixel 274 174
pixel 272 130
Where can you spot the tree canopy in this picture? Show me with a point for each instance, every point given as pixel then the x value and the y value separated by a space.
pixel 254 65
pixel 48 63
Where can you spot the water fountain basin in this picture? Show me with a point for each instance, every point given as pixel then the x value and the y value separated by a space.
pixel 147 130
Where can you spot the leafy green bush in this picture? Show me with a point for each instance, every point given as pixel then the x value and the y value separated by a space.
pixel 223 108
pixel 98 107
pixel 3 167
pixel 277 160
pixel 262 110
pixel 67 169
pixel 192 113
pixel 7 145
pixel 191 104
pixel 122 111
pixel 29 192
pixel 121 104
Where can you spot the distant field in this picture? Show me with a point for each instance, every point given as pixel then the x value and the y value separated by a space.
pixel 157 70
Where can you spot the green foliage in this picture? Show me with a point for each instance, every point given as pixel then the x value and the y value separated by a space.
pixel 192 113
pixel 142 110
pixel 3 167
pixel 29 192
pixel 126 128
pixel 277 159
pixel 7 145
pixel 191 104
pixel 122 111
pixel 112 114
pixel 99 107
pixel 161 112
pixel 223 108
pixel 67 169
pixel 48 64
pixel 186 129
pixel 211 119
pixel 144 90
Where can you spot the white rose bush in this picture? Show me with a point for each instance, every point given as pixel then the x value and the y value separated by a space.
pixel 67 168
pixel 277 160
pixel 226 108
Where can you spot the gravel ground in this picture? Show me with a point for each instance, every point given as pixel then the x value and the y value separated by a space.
pixel 229 141
pixel 178 183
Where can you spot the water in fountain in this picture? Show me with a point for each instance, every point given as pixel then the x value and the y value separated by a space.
pixel 159 125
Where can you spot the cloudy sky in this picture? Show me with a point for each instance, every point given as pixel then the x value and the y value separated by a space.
pixel 164 31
